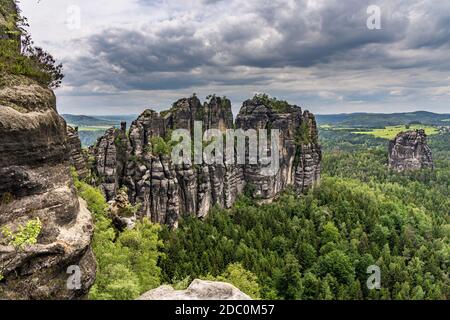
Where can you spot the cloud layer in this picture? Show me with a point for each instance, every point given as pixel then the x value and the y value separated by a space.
pixel 318 53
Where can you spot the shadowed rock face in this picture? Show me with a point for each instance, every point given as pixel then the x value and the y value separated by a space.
pixel 410 151
pixel 198 290
pixel 77 159
pixel 167 191
pixel 35 180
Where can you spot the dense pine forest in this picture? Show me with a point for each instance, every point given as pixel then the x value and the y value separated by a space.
pixel 318 246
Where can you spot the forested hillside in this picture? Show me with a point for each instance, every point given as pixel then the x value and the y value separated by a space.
pixel 380 120
pixel 319 246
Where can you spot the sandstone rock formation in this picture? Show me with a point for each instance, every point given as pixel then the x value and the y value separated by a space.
pixel 35 182
pixel 410 151
pixel 121 211
pixel 110 156
pixel 35 185
pixel 76 156
pixel 198 290
pixel 167 191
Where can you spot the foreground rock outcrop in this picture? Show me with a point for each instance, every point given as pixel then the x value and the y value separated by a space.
pixel 35 182
pixel 198 290
pixel 36 189
pixel 410 151
pixel 167 191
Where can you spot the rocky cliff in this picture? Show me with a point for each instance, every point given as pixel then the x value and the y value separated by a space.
pixel 410 151
pixel 35 182
pixel 167 191
pixel 76 155
pixel 45 230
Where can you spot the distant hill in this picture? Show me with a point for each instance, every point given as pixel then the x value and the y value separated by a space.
pixel 88 121
pixel 93 127
pixel 98 121
pixel 128 118
pixel 377 120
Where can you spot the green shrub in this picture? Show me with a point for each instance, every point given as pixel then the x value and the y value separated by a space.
pixel 241 278
pixel 127 261
pixel 160 146
pixel 19 56
pixel 25 235
pixel 278 106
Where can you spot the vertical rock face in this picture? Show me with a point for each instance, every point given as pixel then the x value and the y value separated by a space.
pixel 35 183
pixel 76 156
pixel 299 151
pixel 167 191
pixel 110 155
pixel 410 151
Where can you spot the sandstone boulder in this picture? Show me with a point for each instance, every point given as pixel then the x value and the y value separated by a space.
pixel 198 290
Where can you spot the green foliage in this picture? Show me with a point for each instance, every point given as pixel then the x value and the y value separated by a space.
pixel 319 246
pixel 279 106
pixel 25 234
pixel 19 56
pixel 303 135
pixel 159 146
pixel 381 120
pixel 118 141
pixel 126 262
pixel 130 210
pixel 243 279
pixel 389 132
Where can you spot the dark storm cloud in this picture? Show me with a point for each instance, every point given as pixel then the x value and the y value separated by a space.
pixel 213 47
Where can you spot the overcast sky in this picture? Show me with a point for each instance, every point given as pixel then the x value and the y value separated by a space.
pixel 123 56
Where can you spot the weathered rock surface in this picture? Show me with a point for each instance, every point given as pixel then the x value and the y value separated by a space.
pixel 35 182
pixel 120 211
pixel 198 290
pixel 76 156
pixel 410 151
pixel 167 191
pixel 110 158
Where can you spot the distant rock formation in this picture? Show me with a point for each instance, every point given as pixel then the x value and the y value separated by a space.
pixel 198 290
pixel 167 191
pixel 110 153
pixel 410 151
pixel 76 156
